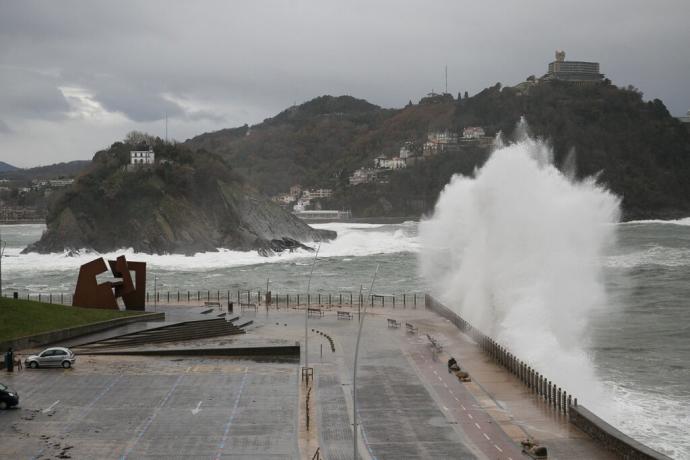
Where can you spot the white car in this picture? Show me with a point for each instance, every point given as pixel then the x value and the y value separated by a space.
pixel 52 357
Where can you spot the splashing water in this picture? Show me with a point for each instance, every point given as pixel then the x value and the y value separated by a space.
pixel 516 250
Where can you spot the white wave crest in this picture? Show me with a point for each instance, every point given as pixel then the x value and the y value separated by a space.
pixel 352 240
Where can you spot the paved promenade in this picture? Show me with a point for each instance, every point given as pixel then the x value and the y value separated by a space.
pixel 409 405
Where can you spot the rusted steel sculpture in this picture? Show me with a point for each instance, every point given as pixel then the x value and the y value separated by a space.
pixel 89 293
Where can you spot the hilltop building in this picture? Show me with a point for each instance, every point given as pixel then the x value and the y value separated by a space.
pixel 142 157
pixel 573 71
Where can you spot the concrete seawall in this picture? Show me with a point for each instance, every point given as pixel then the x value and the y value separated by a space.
pixel 605 434
pixel 611 438
pixel 46 338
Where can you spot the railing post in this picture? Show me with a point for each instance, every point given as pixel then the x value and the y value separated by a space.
pixel 548 386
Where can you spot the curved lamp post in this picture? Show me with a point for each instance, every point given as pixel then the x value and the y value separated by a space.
pixel 354 372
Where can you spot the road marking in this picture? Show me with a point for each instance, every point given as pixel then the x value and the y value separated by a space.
pixel 188 369
pixel 49 408
pixel 498 448
pixel 470 416
pixel 150 419
pixel 197 409
pixel 445 408
pixel 440 379
pixel 228 424
pixel 83 414
pixel 451 392
pixel 463 407
pixel 487 436
pixel 435 372
pixel 477 425
pixel 456 398
pixel 444 384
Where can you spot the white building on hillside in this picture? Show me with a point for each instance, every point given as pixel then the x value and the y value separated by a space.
pixel 363 176
pixel 389 163
pixel 315 194
pixel 142 157
pixel 442 137
pixel 473 132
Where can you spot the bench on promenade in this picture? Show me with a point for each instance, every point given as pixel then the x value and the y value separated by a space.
pixel 394 324
pixel 212 304
pixel 314 312
pixel 411 328
pixel 248 306
pixel 344 314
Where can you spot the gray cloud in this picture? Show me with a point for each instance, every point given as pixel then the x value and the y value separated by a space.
pixel 4 128
pixel 213 64
pixel 30 94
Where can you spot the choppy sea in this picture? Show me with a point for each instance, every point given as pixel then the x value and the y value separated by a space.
pixel 640 345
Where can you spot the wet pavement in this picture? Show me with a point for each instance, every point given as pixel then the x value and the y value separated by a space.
pixel 136 407
pixel 409 406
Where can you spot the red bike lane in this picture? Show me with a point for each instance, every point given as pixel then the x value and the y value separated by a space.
pixel 460 405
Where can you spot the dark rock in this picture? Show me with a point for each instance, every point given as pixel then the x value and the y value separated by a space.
pixel 195 204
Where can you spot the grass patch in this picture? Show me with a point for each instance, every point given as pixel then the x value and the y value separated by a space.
pixel 19 318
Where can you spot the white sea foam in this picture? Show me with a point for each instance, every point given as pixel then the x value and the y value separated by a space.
pixel 652 418
pixel 656 255
pixel 517 250
pixel 685 221
pixel 353 240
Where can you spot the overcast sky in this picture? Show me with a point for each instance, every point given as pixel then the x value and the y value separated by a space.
pixel 77 76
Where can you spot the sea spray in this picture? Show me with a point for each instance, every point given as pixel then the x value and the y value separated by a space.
pixel 517 249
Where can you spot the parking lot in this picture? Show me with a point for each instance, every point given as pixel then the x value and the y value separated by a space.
pixel 134 407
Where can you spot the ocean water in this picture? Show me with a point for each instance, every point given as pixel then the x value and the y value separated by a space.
pixel 639 343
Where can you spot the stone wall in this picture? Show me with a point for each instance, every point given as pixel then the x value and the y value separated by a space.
pixel 611 438
pixel 46 338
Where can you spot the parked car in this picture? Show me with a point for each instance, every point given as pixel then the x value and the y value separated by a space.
pixel 52 357
pixel 8 397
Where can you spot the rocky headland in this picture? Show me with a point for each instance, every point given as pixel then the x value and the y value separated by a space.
pixel 184 203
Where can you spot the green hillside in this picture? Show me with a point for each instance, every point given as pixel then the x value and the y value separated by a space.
pixel 634 146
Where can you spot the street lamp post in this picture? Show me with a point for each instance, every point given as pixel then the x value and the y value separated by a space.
pixel 3 244
pixel 354 372
pixel 306 312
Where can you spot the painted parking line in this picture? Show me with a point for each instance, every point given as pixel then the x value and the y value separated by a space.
pixel 477 425
pixel 49 408
pixel 84 413
pixel 487 436
pixel 149 421
pixel 498 448
pixel 228 424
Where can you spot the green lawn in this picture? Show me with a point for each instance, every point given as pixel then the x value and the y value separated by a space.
pixel 20 318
